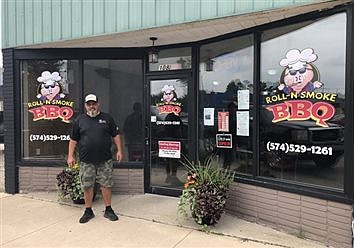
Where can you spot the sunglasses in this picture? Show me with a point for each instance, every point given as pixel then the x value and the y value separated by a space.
pixel 51 86
pixel 301 71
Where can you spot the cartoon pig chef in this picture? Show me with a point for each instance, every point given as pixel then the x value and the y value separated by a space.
pixel 299 74
pixel 49 87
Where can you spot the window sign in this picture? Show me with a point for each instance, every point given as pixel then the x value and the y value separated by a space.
pixel 50 103
pixel 298 101
pixel 169 106
pixel 224 140
pixel 49 96
pixel 169 149
pixel 243 123
pixel 243 97
pixel 297 84
pixel 209 117
pixel 223 121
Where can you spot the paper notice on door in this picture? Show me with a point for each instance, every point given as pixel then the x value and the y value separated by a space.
pixel 208 116
pixel 243 123
pixel 243 97
pixel 169 149
pixel 223 121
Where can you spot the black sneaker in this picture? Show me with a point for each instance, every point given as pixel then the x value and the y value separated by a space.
pixel 109 214
pixel 88 215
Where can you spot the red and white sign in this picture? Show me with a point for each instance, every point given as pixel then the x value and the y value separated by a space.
pixel 223 121
pixel 169 149
pixel 224 140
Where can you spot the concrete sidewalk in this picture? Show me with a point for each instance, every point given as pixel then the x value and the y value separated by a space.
pixel 38 220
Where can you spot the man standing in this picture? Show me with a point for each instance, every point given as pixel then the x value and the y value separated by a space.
pixel 94 132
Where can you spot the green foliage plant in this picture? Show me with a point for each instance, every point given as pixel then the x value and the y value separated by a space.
pixel 69 183
pixel 205 192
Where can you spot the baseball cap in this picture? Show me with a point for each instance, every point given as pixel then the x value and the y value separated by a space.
pixel 91 97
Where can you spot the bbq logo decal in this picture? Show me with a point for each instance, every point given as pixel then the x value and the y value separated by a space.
pixel 50 103
pixel 169 102
pixel 298 82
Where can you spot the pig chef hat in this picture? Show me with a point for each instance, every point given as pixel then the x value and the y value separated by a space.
pixel 48 78
pixel 296 60
pixel 168 88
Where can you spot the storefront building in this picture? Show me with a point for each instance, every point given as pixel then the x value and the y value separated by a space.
pixel 266 87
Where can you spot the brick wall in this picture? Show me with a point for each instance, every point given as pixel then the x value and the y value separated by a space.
pixel 126 181
pixel 321 220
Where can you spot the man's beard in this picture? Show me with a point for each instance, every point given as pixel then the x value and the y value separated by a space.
pixel 93 113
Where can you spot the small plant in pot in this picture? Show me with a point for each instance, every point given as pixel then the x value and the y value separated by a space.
pixel 69 184
pixel 205 192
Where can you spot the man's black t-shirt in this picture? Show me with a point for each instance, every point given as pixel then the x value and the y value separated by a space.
pixel 94 135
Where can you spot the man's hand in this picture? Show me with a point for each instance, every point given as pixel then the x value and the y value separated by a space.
pixel 119 156
pixel 117 140
pixel 71 158
pixel 71 161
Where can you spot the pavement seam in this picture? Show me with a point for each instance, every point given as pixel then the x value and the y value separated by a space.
pixel 180 241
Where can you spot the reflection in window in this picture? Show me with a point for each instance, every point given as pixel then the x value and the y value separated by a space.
pixel 302 102
pixel 226 77
pixel 112 81
pixel 49 103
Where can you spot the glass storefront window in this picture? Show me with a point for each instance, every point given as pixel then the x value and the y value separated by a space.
pixel 225 110
pixel 173 59
pixel 50 92
pixel 302 102
pixel 118 85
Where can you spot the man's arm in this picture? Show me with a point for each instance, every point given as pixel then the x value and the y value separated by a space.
pixel 118 141
pixel 71 157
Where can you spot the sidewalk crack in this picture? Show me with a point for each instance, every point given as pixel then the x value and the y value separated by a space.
pixel 180 241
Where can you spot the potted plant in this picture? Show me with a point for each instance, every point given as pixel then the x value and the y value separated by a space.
pixel 69 184
pixel 205 192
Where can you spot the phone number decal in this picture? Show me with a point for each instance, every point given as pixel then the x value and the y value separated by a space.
pixel 49 137
pixel 286 147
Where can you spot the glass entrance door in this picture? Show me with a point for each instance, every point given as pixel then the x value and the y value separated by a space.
pixel 168 132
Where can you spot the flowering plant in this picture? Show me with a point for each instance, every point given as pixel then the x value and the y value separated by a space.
pixel 204 194
pixel 69 183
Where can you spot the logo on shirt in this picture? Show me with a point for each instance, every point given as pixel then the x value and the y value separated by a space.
pixel 102 121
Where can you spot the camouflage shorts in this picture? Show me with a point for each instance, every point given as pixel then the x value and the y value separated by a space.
pixel 101 173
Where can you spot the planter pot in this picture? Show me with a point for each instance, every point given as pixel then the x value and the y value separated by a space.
pixel 210 204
